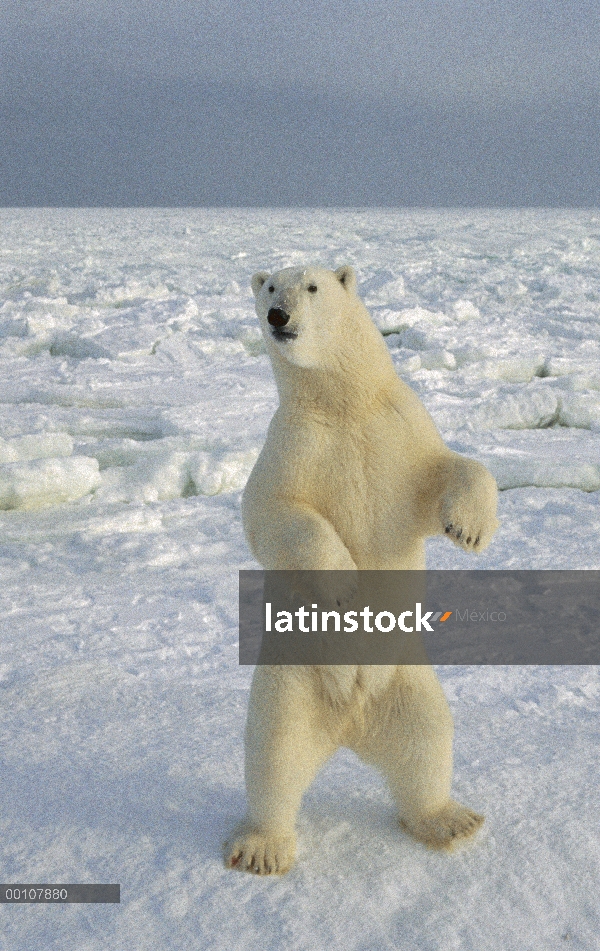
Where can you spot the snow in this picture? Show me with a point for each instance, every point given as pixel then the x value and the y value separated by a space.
pixel 134 397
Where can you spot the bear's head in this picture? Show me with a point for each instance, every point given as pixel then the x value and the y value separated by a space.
pixel 305 312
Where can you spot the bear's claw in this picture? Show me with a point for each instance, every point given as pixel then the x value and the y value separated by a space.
pixel 469 541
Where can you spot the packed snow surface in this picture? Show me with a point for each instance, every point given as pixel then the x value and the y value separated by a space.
pixel 135 394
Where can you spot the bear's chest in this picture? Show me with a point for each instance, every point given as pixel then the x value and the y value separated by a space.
pixel 363 479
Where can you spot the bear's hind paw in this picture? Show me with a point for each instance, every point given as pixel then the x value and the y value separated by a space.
pixel 446 828
pixel 261 853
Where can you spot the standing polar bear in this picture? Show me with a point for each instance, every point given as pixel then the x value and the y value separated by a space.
pixel 353 475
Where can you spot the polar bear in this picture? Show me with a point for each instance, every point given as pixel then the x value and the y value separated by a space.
pixel 353 475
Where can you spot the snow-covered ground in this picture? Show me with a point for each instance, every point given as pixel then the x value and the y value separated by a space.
pixel 134 398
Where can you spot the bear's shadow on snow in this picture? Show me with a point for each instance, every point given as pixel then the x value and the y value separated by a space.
pixel 118 757
pixel 53 798
pixel 347 791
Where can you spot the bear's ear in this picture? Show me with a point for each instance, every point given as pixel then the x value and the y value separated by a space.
pixel 258 280
pixel 346 275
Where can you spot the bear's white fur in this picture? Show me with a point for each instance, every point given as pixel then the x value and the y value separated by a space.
pixel 353 475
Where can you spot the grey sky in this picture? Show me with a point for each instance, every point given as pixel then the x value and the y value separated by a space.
pixel 340 102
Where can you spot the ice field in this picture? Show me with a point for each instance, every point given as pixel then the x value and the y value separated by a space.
pixel 134 398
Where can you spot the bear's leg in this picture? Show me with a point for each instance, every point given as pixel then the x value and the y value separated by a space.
pixel 410 742
pixel 286 744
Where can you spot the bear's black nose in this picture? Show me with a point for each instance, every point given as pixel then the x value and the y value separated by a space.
pixel 277 317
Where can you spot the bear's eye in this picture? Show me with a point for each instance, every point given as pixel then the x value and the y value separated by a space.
pixel 271 289
pixel 312 288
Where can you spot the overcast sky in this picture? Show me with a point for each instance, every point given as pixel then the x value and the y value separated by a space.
pixel 341 102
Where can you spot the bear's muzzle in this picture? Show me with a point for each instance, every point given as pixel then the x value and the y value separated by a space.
pixel 278 319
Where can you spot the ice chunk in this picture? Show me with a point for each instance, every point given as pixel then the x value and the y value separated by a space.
pixel 470 353
pixel 410 365
pixel 581 382
pixel 418 315
pixel 393 321
pixel 523 409
pixel 411 339
pixel 550 458
pixel 466 310
pixel 565 366
pixel 232 289
pixel 171 475
pixel 512 472
pixel 581 410
pixel 148 480
pixel 394 289
pixel 41 482
pixel 130 293
pixel 513 369
pixel 39 446
pixel 176 348
pixel 383 288
pixel 130 339
pixel 78 348
pixel 226 472
pixel 438 360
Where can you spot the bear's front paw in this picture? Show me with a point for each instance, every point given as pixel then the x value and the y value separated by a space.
pixel 468 540
pixel 471 533
pixel 261 853
pixel 331 589
pixel 468 511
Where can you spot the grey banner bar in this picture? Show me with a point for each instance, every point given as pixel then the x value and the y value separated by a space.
pixel 416 617
pixel 30 894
